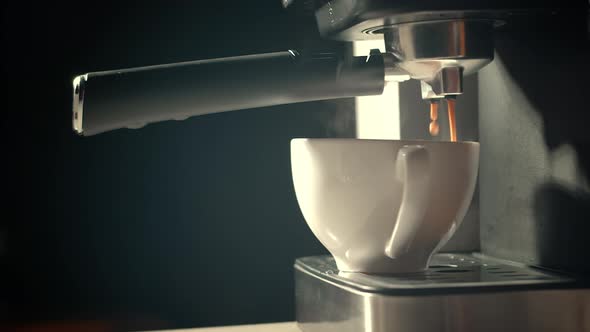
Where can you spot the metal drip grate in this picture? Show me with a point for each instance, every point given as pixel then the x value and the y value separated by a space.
pixel 458 292
pixel 446 272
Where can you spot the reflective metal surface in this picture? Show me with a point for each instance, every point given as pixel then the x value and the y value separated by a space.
pixel 447 82
pixel 423 48
pixel 439 53
pixel 458 293
pixel 365 19
pixel 78 102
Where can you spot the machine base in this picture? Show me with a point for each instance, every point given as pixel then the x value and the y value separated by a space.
pixel 457 293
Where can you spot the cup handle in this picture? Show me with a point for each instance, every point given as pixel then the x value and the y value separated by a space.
pixel 413 170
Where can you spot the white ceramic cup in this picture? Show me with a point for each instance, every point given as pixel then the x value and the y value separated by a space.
pixel 383 206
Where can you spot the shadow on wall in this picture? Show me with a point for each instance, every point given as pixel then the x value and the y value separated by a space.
pixel 536 207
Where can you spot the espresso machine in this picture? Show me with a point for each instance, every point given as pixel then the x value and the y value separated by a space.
pixel 521 279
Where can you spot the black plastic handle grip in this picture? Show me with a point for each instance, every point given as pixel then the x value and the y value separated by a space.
pixel 132 98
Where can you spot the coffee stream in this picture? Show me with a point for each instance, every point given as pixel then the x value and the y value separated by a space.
pixel 433 128
pixel 452 123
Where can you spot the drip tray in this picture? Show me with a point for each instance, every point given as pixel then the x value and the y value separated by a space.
pixel 459 292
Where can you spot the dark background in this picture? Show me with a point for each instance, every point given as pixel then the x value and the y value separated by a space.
pixel 179 224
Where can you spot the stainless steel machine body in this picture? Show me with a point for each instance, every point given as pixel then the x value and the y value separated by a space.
pixel 458 293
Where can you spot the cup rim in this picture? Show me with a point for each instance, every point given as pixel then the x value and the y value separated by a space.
pixel 411 141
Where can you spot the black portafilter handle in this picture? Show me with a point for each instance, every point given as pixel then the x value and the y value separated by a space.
pixel 132 98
